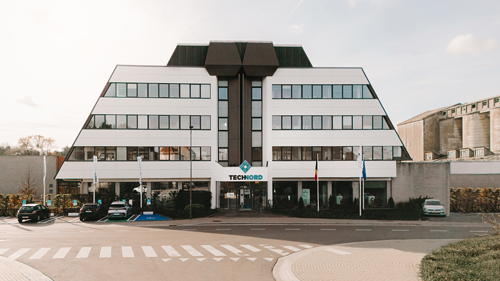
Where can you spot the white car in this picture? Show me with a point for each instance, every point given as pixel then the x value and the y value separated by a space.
pixel 433 207
pixel 119 209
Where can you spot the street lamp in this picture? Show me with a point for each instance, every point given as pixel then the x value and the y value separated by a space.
pixel 190 172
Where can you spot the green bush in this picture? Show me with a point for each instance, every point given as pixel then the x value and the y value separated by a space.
pixel 199 197
pixel 391 202
pixel 301 203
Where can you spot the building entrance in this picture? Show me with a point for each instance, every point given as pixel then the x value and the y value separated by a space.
pixel 242 195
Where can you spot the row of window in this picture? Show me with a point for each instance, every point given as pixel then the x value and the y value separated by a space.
pixel 321 92
pixel 328 122
pixel 335 153
pixel 156 90
pixel 151 122
pixel 122 153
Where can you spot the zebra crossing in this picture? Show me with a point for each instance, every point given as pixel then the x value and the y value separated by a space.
pixel 165 252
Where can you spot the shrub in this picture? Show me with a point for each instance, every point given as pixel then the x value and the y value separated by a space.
pixel 199 197
pixel 332 202
pixel 301 203
pixel 391 202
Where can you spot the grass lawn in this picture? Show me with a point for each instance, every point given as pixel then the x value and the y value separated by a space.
pixel 475 258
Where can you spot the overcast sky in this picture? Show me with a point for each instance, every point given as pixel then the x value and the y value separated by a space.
pixel 56 56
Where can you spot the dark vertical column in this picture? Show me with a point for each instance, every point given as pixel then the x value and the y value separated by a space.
pixel 234 121
pixel 246 116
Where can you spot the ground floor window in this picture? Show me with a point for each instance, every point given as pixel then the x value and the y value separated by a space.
pixel 342 192
pixel 375 193
pixel 198 185
pixel 285 192
pixel 242 195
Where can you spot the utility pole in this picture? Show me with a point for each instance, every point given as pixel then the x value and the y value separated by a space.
pixel 190 172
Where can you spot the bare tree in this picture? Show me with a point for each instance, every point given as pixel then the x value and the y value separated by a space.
pixel 29 183
pixel 36 144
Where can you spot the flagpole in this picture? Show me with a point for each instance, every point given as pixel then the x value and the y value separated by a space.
pixel 317 184
pixel 44 173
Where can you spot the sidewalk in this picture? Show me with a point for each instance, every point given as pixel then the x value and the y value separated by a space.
pixel 11 270
pixel 376 260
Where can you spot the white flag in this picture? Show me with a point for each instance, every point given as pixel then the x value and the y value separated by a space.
pixel 140 171
pixel 96 180
pixel 360 157
pixel 44 168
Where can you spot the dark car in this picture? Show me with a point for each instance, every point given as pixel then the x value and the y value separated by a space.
pixel 91 211
pixel 34 212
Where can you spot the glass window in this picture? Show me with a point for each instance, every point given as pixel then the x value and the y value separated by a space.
pixel 337 91
pixel 287 91
pixel 357 91
pixel 357 122
pixel 91 124
pixel 77 154
pixel 346 122
pixel 205 91
pixel 121 90
pixel 195 122
pixel 337 122
pixel 276 122
pixel 111 121
pixel 184 90
pixel 223 139
pixel 347 152
pixel 111 90
pixel 131 121
pixel 142 90
pixel 205 122
pixel 377 153
pixel 256 83
pixel 276 91
pixel 223 124
pixel 316 122
pixel 316 91
pixel 195 91
pixel 387 153
pixel 223 83
pixel 367 122
pixel 89 153
pixel 165 153
pixel 132 90
pixel 185 122
pixel 385 125
pixel 316 152
pixel 223 154
pixel 307 91
pixel 327 122
pixel 286 123
pixel 223 95
pixel 256 154
pixel 174 90
pixel 367 153
pixel 205 153
pixel 256 93
pixel 144 153
pixel 153 90
pixel 184 153
pixel 337 153
pixel 307 153
pixel 297 122
pixel 347 91
pixel 327 91
pixel 132 153
pixel 121 121
pixel 367 94
pixel 307 122
pixel 101 153
pixel 99 122
pixel 286 153
pixel 174 153
pixel 163 90
pixel 142 122
pixel 296 153
pixel 256 109
pixel 256 139
pixel 256 124
pixel 397 151
pixel 276 153
pixel 327 153
pixel 121 153
pixel 222 108
pixel 377 122
pixel 174 122
pixel 195 153
pixel 297 91
pixel 153 122
pixel 164 122
pixel 153 153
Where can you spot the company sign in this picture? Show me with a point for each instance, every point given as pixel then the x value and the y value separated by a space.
pixel 245 167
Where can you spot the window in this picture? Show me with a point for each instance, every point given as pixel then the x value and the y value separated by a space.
pixel 377 153
pixel 185 122
pixel 316 122
pixel 99 122
pixel 306 91
pixel 174 91
pixel 317 92
pixel 385 125
pixel 223 139
pixel 222 124
pixel 142 90
pixel 316 153
pixel 164 153
pixel 164 123
pixel 346 122
pixel 153 122
pixel 286 153
pixel 397 151
pixel 357 122
pixel 153 90
pixel 337 91
pixel 347 153
pixel 121 90
pixel 223 154
pixel 367 153
pixel 367 122
pixel 195 91
pixel 296 122
pixel 110 121
pixel 367 94
pixel 256 109
pixel 336 153
pixel 256 139
pixel 121 153
pixel 174 122
pixel 195 122
pixel 357 91
pixel 277 153
pixel 497 100
pixel 347 91
pixel 307 153
pixel 286 123
pixel 223 109
pixel 131 121
pixel 132 153
pixel 163 90
pixel 256 93
pixel 205 153
pixel 327 122
pixel 327 153
pixel 184 155
pixel 91 124
pixel 132 90
pixel 485 103
pixel 142 122
pixel 377 122
pixel 286 91
pixel 184 90
pixel 296 153
pixel 337 122
pixel 256 124
pixel 121 121
pixel 306 122
pixel 111 90
pixel 256 154
pixel 276 91
pixel 297 91
pixel 205 122
pixel 205 91
pixel 276 122
pixel 387 153
pixel 327 91
pixel 144 153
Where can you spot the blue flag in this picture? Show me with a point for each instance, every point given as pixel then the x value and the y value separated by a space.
pixel 364 170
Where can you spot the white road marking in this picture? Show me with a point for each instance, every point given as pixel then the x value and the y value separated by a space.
pixel 279 251
pixel 336 251
pixel 61 253
pixel 75 220
pixel 479 231
pixel 192 251
pixel 252 259
pixel 363 229
pixel 251 248
pixel 19 253
pixel 165 260
pixel 3 251
pixel 400 230
pixel 201 259
pixel 257 229
pixel 291 248
pixel 213 251
pixel 84 253
pixel 105 252
pixel 292 228
pixel 223 229
pixel 170 251
pixel 149 252
pixel 218 259
pixel 437 230
pixel 184 259
pixel 327 229
pixel 234 250
pixel 306 246
pixel 127 252
pixel 39 254
pixel 268 259
pixel 234 259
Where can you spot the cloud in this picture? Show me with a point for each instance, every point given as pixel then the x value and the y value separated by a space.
pixel 27 100
pixel 296 28
pixel 472 45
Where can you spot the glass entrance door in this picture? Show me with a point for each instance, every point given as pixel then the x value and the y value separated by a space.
pixel 242 195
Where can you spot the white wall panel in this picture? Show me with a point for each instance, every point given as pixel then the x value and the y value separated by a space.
pixel 161 74
pixel 474 168
pixel 332 169
pixel 318 76
pixel 334 138
pixel 152 106
pixel 325 107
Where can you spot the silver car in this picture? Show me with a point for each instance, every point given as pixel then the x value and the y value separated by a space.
pixel 433 207
pixel 119 209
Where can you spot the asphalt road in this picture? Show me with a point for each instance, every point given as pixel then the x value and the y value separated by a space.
pixel 66 249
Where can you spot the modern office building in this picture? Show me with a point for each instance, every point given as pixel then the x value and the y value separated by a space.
pixel 260 115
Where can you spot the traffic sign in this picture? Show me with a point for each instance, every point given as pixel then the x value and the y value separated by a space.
pixel 75 202
pixel 49 203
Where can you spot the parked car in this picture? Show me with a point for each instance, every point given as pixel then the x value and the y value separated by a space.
pixel 91 211
pixel 119 209
pixel 34 212
pixel 433 207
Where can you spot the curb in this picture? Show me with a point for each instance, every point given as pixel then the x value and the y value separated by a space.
pixel 15 270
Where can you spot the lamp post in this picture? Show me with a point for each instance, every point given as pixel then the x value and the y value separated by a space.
pixel 190 172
